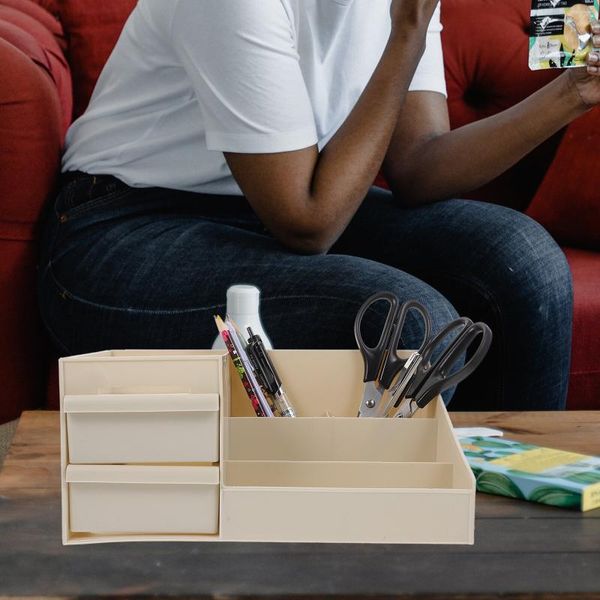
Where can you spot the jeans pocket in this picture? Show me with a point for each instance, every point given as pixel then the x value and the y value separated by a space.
pixel 88 194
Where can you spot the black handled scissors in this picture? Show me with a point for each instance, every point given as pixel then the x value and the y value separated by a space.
pixel 382 363
pixel 432 378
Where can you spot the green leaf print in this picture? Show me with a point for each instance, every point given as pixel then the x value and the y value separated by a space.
pixel 497 483
pixel 556 497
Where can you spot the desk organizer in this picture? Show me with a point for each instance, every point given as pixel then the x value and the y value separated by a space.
pixel 163 446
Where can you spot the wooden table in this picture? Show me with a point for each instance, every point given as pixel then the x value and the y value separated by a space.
pixel 522 550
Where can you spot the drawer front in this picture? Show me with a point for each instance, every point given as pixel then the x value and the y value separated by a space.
pixel 135 375
pixel 176 429
pixel 145 505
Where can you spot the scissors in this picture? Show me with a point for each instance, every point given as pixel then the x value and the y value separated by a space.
pixel 432 378
pixel 382 363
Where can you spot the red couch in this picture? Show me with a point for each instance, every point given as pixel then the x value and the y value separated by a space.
pixel 51 52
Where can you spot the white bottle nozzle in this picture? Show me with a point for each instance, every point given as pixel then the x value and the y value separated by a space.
pixel 243 306
pixel 243 300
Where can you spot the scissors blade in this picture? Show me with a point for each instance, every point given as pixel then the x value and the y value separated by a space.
pixel 404 379
pixel 407 409
pixel 371 400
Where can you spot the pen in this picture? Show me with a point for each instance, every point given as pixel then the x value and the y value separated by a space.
pixel 239 367
pixel 240 345
pixel 267 374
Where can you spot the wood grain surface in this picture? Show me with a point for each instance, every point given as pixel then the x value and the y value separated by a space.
pixel 522 550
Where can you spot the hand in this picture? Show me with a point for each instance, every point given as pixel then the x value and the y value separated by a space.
pixel 407 13
pixel 586 82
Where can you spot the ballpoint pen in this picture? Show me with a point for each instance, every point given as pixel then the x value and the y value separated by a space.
pixel 267 375
pixel 242 349
pixel 239 367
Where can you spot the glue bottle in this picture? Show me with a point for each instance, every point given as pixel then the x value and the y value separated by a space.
pixel 243 302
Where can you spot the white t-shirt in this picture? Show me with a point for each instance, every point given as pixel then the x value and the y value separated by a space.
pixel 191 79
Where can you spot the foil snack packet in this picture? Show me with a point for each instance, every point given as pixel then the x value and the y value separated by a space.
pixel 561 34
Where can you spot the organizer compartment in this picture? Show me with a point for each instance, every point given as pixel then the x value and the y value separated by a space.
pixel 347 515
pixel 355 474
pixel 151 428
pixel 339 479
pixel 331 439
pixel 112 499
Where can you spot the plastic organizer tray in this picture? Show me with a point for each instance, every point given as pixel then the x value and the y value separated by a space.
pixel 163 446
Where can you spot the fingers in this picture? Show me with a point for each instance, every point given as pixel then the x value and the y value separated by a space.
pixel 593 60
pixel 596 33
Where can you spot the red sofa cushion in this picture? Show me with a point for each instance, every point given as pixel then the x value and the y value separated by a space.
pixel 46 18
pixel 485 52
pixel 584 384
pixel 24 26
pixel 93 28
pixel 30 146
pixel 50 6
pixel 567 203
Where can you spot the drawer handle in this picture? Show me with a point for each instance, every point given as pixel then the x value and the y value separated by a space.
pixel 142 403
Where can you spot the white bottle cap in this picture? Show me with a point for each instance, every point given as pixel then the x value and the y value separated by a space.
pixel 243 300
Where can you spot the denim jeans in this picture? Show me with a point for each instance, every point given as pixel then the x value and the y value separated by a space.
pixel 148 268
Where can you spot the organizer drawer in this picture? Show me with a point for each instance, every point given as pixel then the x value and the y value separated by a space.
pixel 114 499
pixel 142 428
pixel 143 371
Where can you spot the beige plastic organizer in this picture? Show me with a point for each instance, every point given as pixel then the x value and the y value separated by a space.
pixel 163 446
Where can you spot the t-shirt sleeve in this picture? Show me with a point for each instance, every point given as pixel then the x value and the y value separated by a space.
pixel 429 75
pixel 244 66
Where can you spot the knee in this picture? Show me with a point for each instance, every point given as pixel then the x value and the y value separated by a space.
pixel 529 264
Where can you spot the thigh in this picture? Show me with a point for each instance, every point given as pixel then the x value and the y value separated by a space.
pixel 481 244
pixel 494 264
pixel 156 279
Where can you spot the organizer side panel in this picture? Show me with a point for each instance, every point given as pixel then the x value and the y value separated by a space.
pixel 224 411
pixel 449 450
pixel 64 455
pixel 346 516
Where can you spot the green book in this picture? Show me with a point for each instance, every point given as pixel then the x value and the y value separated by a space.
pixel 534 473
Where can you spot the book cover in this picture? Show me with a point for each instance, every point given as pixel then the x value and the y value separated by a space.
pixel 534 473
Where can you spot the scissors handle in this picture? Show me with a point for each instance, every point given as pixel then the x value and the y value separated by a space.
pixel 382 361
pixel 394 364
pixel 374 356
pixel 438 379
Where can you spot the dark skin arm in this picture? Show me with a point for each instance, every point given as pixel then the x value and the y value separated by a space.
pixel 421 165
pixel 303 200
pixel 300 196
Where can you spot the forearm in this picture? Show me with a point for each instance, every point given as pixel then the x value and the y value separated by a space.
pixel 466 158
pixel 349 163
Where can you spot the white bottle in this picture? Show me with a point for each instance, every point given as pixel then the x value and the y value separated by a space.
pixel 243 302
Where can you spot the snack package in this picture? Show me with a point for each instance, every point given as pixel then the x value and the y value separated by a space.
pixel 561 34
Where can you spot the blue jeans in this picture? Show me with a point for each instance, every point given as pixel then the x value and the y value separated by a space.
pixel 148 268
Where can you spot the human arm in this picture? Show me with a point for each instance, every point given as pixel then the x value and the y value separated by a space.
pixel 306 197
pixel 428 162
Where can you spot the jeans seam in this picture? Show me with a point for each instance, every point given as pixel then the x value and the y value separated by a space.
pixel 76 298
pixel 94 204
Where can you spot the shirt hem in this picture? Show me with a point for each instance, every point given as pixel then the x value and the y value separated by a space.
pixel 261 143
